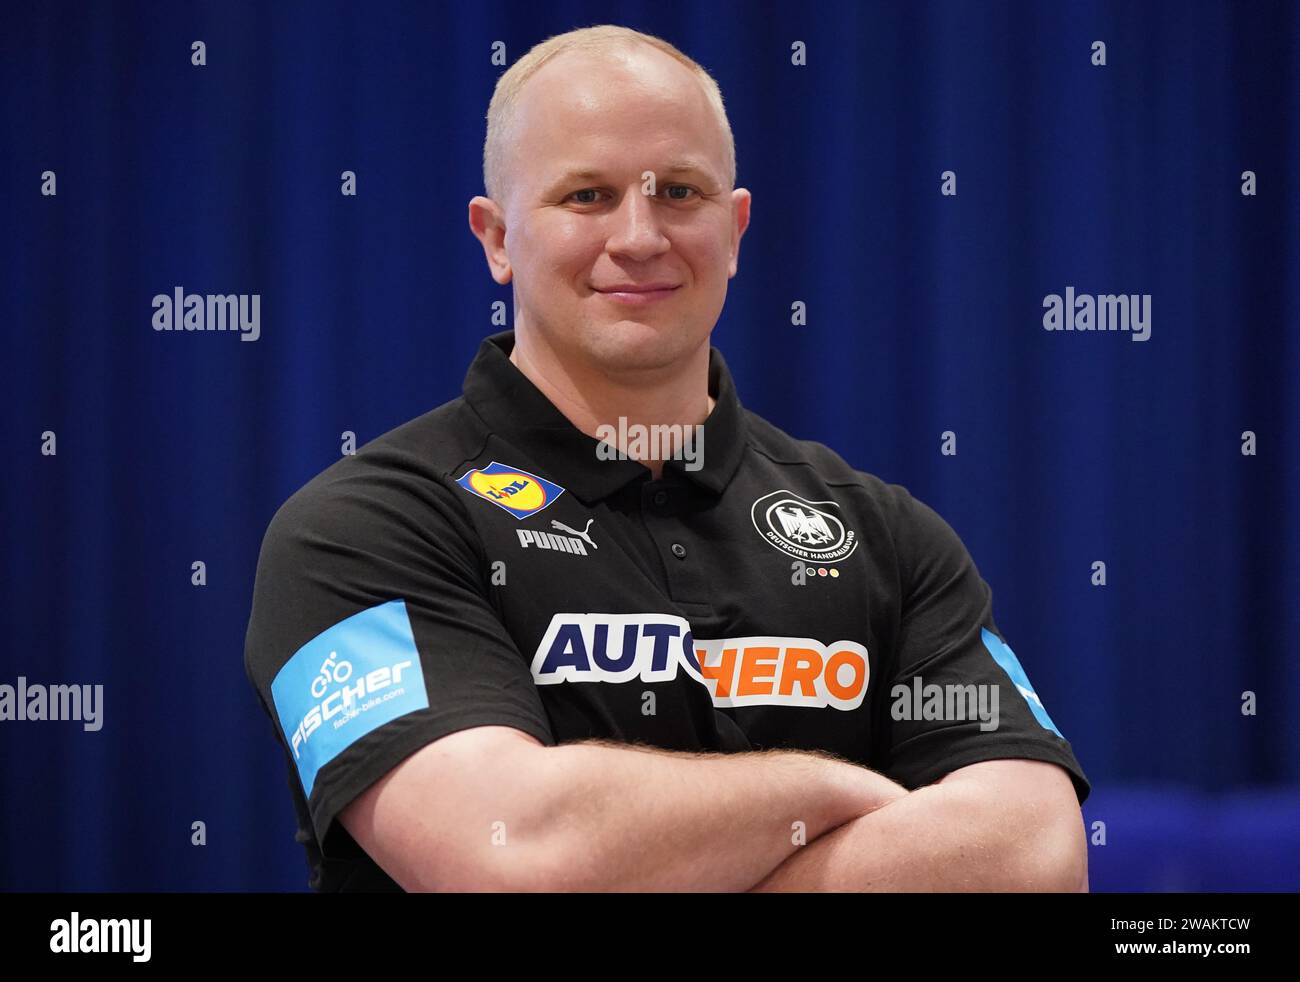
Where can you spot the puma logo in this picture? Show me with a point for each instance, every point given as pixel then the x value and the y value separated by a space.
pixel 582 535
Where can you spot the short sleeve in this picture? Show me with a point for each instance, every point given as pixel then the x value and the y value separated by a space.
pixel 372 635
pixel 957 693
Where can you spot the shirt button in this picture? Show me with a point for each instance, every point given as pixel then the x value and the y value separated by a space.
pixel 679 550
pixel 661 498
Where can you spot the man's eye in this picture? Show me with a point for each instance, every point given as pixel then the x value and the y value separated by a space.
pixel 680 187
pixel 664 192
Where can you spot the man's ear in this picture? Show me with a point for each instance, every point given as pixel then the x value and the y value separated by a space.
pixel 487 222
pixel 740 201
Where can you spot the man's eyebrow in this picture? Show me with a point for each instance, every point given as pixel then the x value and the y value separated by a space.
pixel 687 167
pixel 683 166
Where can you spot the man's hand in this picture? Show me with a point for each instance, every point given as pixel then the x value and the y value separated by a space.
pixel 992 826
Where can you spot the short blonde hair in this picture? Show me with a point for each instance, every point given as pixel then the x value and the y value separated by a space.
pixel 600 38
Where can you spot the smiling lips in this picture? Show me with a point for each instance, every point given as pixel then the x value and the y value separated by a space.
pixel 637 294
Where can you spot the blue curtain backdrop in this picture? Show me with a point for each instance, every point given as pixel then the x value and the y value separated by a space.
pixel 924 315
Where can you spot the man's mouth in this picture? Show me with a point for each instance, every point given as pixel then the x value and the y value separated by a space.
pixel 638 293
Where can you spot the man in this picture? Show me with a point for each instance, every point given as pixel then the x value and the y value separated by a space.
pixel 502 654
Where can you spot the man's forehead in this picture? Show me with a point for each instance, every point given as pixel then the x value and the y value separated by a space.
pixel 581 127
pixel 627 106
pixel 612 92
pixel 639 67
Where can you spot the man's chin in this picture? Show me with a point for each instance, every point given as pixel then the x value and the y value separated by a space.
pixel 636 346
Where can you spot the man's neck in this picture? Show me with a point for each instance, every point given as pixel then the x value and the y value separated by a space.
pixel 589 399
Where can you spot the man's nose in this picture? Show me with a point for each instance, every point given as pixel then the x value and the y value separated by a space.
pixel 636 232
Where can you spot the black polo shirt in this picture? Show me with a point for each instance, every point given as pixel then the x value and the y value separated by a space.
pixel 486 563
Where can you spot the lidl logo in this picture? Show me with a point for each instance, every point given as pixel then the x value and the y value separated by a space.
pixel 518 492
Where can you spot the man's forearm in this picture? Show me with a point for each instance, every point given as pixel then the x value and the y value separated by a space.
pixel 939 838
pixel 617 817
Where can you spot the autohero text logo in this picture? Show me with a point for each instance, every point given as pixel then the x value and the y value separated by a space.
pixel 659 441
pixel 748 671
pixel 808 530
pixel 183 311
pixel 350 679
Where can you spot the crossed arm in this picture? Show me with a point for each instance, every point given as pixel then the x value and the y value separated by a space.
pixel 996 825
pixel 490 808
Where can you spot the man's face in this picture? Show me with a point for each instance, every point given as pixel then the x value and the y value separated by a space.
pixel 579 223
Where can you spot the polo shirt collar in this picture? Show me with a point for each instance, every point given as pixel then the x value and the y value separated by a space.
pixel 515 409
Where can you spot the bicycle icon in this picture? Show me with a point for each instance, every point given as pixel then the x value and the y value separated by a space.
pixel 332 671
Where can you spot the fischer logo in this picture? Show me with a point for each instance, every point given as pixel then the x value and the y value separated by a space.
pixel 750 671
pixel 379 678
pixel 346 702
